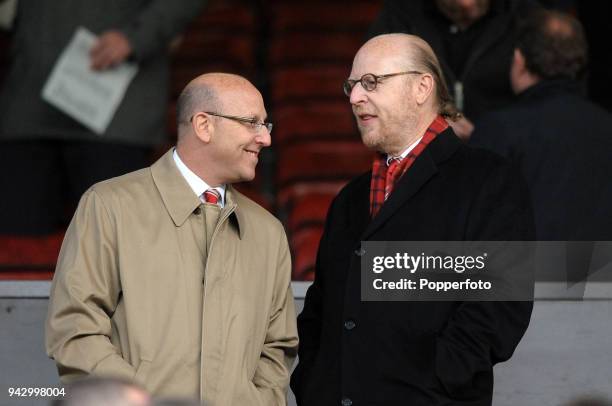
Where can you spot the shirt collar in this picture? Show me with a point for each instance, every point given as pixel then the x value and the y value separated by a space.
pixel 405 153
pixel 180 200
pixel 197 184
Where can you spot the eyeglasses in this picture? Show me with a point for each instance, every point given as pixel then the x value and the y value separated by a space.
pixel 251 121
pixel 369 81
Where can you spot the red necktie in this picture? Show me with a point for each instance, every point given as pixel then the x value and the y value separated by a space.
pixel 212 196
pixel 391 177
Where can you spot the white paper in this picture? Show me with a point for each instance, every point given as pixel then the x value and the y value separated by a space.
pixel 90 97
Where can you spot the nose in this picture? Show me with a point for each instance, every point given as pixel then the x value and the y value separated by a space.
pixel 358 94
pixel 263 137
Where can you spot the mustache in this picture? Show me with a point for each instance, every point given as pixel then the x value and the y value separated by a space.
pixel 361 112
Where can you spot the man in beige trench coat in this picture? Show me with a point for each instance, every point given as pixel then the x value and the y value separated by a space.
pixel 171 277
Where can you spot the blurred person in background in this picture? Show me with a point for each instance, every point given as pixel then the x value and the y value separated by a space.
pixel 47 158
pixel 559 140
pixel 473 40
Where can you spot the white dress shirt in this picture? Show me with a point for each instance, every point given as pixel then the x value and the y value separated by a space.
pixel 195 182
pixel 403 154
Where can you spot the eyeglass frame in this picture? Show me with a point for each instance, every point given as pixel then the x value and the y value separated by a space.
pixel 349 84
pixel 246 120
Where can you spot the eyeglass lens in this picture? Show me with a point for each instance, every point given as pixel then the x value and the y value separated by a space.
pixel 368 81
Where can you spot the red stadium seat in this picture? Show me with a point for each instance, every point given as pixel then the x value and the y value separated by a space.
pixel 315 16
pixel 307 83
pixel 309 211
pixel 322 167
pixel 290 193
pixel 221 39
pixel 29 258
pixel 307 122
pixel 322 161
pixel 304 245
pixel 308 48
pixel 252 192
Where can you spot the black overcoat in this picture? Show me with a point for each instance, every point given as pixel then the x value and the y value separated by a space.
pixel 412 353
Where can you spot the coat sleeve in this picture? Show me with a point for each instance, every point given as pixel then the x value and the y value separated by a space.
pixel 480 334
pixel 152 30
pixel 271 377
pixel 84 295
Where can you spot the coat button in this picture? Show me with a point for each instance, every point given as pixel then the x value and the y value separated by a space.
pixel 360 252
pixel 349 324
pixel 346 402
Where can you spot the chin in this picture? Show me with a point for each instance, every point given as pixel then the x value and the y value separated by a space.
pixel 247 177
pixel 370 141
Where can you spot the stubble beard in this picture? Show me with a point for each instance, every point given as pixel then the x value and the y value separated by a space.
pixel 372 139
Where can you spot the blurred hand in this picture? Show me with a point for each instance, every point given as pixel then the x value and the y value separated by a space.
pixel 462 127
pixel 111 49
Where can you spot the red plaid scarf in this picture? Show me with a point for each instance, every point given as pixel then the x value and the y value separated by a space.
pixel 384 177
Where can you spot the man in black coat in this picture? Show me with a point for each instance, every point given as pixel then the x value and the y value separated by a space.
pixel 561 141
pixel 417 353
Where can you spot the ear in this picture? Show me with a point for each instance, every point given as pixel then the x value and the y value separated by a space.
pixel 202 126
pixel 424 87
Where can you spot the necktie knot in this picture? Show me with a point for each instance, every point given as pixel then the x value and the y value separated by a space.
pixel 212 196
pixel 391 176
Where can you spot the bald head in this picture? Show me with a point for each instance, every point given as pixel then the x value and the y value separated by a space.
pixel 409 52
pixel 400 47
pixel 210 92
pixel 222 128
pixel 388 46
pixel 395 90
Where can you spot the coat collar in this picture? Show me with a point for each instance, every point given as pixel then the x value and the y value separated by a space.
pixel 180 200
pixel 423 169
pixel 548 87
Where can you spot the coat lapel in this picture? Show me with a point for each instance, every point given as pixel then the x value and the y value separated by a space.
pixel 423 169
pixel 179 199
pixel 408 185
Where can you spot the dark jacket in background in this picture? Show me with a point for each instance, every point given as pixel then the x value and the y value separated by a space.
pixel 563 145
pixel 485 72
pixel 43 29
pixel 412 353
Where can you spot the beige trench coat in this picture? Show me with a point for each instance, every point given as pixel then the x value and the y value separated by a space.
pixel 130 296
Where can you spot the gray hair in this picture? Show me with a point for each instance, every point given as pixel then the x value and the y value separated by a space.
pixel 195 98
pixel 425 60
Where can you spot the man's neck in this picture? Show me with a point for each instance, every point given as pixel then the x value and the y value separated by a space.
pixel 195 163
pixel 415 134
